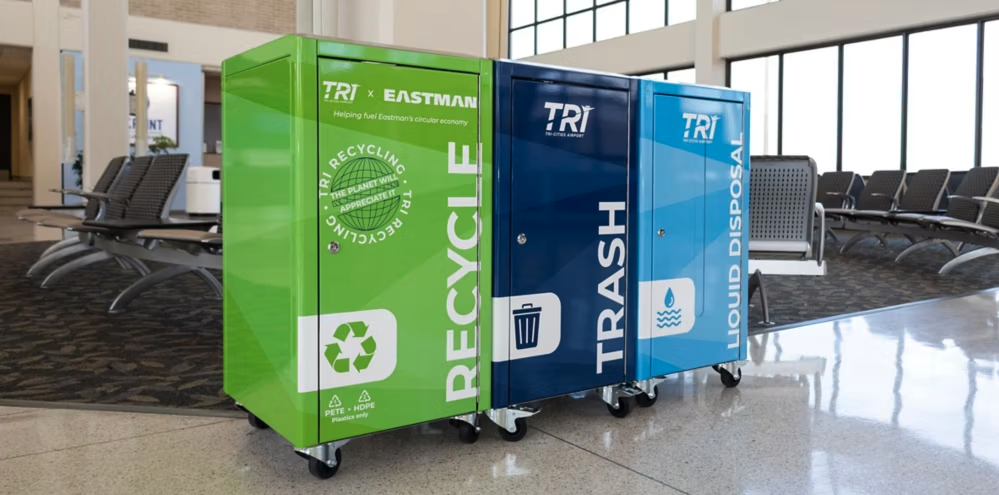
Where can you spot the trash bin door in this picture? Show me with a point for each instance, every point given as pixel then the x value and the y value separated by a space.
pixel 696 177
pixel 395 342
pixel 569 173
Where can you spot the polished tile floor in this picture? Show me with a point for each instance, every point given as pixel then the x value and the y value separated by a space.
pixel 14 230
pixel 902 401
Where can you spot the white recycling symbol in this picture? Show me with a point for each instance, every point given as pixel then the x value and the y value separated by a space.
pixel 364 397
pixel 335 402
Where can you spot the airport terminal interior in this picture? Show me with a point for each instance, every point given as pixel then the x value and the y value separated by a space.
pixel 499 246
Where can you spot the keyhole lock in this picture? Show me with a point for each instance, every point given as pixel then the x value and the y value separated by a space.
pixel 662 232
pixel 334 247
pixel 521 239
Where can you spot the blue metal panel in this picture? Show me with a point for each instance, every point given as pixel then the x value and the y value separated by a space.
pixel 561 175
pixel 689 292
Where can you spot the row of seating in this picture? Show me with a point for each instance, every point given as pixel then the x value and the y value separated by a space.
pixel 127 218
pixel 919 208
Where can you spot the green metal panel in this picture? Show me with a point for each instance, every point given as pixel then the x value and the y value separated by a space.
pixel 398 177
pixel 402 214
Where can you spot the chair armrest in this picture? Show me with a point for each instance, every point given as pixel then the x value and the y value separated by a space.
pixel 984 199
pixel 73 192
pixel 963 198
pixel 847 199
pixel 152 224
pixel 57 207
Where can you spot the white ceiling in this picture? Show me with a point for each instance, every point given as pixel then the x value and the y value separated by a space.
pixel 14 64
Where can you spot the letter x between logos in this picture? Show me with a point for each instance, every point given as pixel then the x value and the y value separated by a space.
pixel 371 93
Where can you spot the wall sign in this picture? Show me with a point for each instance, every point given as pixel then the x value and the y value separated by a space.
pixel 162 112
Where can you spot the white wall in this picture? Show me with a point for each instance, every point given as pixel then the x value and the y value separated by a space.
pixel 649 51
pixel 193 43
pixel 15 23
pixel 442 25
pixel 794 23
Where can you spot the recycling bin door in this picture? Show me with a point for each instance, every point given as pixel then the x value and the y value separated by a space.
pixel 568 200
pixel 692 307
pixel 394 343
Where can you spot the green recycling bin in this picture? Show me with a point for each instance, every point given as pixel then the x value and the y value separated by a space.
pixel 356 246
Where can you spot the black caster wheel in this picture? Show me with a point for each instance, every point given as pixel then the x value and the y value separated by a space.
pixel 256 422
pixel 644 400
pixel 516 436
pixel 467 433
pixel 728 379
pixel 622 410
pixel 321 470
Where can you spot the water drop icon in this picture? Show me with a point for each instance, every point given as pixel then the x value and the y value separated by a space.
pixel 669 300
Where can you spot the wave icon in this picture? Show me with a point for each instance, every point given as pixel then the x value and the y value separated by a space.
pixel 669 318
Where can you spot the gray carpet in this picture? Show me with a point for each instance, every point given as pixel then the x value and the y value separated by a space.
pixel 59 344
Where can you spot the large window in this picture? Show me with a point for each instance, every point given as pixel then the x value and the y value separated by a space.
pixel 810 105
pixel 761 78
pixel 542 26
pixel 942 87
pixel 917 100
pixel 990 102
pixel 872 105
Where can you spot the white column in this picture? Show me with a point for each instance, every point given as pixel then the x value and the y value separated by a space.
pixel 710 68
pixel 141 110
pixel 317 17
pixel 303 16
pixel 367 21
pixel 105 85
pixel 46 89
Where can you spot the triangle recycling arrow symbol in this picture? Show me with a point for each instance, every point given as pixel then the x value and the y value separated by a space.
pixel 335 402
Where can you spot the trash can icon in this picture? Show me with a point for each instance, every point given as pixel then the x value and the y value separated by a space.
pixel 526 320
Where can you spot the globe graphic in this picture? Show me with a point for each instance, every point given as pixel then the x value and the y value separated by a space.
pixel 370 216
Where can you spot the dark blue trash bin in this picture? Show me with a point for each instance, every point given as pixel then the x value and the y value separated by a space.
pixel 561 204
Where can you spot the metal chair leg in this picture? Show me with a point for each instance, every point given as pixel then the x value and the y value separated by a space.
pixel 926 243
pixel 47 261
pixel 756 282
pixel 74 265
pixel 881 240
pixel 210 280
pixel 63 244
pixel 966 257
pixel 126 296
pixel 855 240
pixel 832 234
pixel 137 265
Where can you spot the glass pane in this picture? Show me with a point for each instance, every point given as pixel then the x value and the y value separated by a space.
pixel 574 5
pixel 522 43
pixel 548 9
pixel 521 13
pixel 990 104
pixel 550 36
pixel 644 15
pixel 687 76
pixel 872 105
pixel 610 21
pixel 745 4
pixel 941 131
pixel 657 76
pixel 810 100
pixel 760 76
pixel 682 11
pixel 579 29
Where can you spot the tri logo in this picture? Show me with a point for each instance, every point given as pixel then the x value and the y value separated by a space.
pixel 703 127
pixel 573 117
